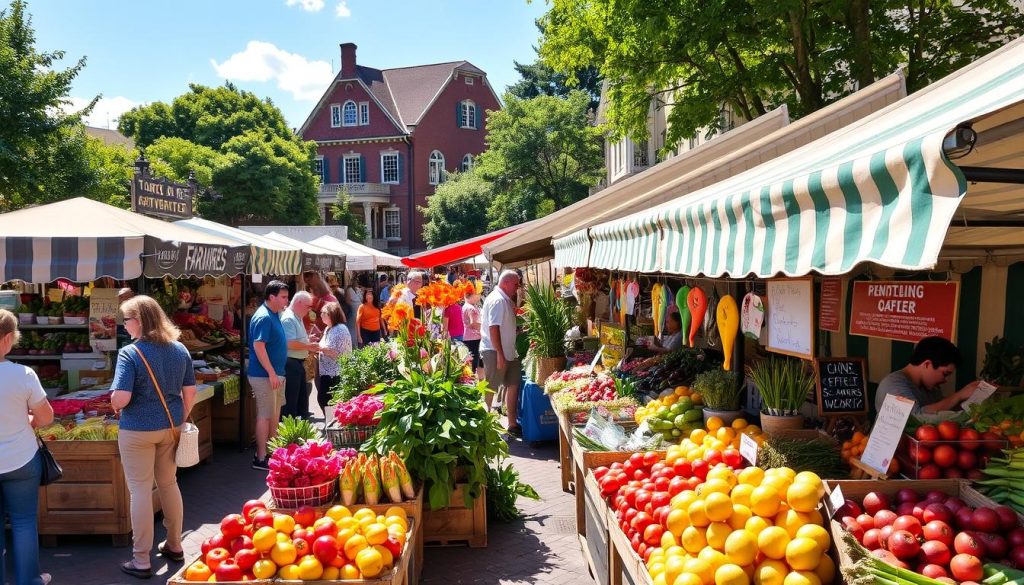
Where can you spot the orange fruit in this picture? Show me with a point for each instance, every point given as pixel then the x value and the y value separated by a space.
pixel 283 553
pixel 264 569
pixel 264 539
pixel 354 545
pixel 770 572
pixel 803 554
pixel 310 568
pixel 764 500
pixel 284 523
pixel 336 513
pixel 731 574
pixel 741 547
pixel 289 572
pixel 386 556
pixel 772 542
pixel 350 572
pixel 375 533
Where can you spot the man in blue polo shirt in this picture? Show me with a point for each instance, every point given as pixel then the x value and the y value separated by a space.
pixel 268 354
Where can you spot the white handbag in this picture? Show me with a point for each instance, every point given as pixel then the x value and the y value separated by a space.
pixel 187 451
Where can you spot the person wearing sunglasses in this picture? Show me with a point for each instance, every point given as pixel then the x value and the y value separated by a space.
pixel 335 341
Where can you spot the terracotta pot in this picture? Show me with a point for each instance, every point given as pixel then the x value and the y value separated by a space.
pixel 772 424
pixel 727 416
pixel 547 366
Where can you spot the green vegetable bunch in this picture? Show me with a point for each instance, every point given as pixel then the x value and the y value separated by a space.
pixel 503 489
pixel 438 425
pixel 719 389
pixel 362 369
pixel 547 320
pixel 784 384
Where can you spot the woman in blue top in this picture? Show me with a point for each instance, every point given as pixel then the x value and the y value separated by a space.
pixel 148 439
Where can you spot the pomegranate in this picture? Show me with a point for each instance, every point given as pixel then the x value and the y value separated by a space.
pixel 903 544
pixel 1007 517
pixel 995 545
pixel 944 456
pixel 885 518
pixel 889 558
pixel 872 539
pixel 883 535
pixel 853 527
pixel 963 518
pixel 930 471
pixel 935 496
pixel 953 473
pixel 936 511
pixel 907 495
pixel 866 521
pixel 954 504
pixel 933 571
pixel 1017 557
pixel 908 524
pixel 1016 537
pixel 849 508
pixel 940 531
pixel 967 460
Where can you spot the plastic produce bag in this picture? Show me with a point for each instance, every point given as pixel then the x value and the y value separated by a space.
pixel 604 431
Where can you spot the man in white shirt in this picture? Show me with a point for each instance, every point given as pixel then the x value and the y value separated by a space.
pixel 502 366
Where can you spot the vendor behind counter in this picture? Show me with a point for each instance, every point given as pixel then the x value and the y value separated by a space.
pixel 934 360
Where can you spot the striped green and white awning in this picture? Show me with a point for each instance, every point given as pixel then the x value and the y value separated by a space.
pixel 266 256
pixel 572 250
pixel 880 190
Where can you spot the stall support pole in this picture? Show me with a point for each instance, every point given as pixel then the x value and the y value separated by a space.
pixel 244 334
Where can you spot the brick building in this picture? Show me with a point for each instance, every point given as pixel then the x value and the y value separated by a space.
pixel 388 136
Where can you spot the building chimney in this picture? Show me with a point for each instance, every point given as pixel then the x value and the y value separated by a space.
pixel 348 60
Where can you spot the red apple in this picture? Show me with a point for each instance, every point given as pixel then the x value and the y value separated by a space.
pixel 954 504
pixel 969 439
pixel 215 557
pixel 949 430
pixel 246 558
pixel 241 543
pixel 953 473
pixel 875 502
pixel 1017 557
pixel 394 546
pixel 305 516
pixel 907 495
pixel 927 433
pixel 324 527
pixel 1007 517
pixel 849 508
pixel 1016 538
pixel 903 544
pixel 228 570
pixel 232 526
pixel 936 553
pixel 325 548
pixel 250 508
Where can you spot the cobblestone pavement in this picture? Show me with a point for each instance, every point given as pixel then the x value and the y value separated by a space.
pixel 540 548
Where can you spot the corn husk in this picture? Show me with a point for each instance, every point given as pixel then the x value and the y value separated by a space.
pixel 389 479
pixel 371 481
pixel 404 479
pixel 350 480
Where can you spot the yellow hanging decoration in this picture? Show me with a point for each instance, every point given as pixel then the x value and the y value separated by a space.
pixel 728 316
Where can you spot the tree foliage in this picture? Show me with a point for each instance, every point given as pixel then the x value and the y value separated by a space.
pixel 236 143
pixel 546 146
pixel 538 78
pixel 111 169
pixel 515 207
pixel 457 210
pixel 750 56
pixel 42 149
pixel 342 213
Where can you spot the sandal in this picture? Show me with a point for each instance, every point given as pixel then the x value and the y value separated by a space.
pixel 176 556
pixel 130 568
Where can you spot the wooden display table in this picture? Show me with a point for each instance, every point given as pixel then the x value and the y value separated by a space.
pixel 625 566
pixel 457 523
pixel 225 417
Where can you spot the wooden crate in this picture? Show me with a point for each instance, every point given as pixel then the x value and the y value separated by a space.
pixel 202 416
pixel 457 523
pixel 593 531
pixel 625 566
pixel 413 509
pixel 91 498
pixel 857 489
pixel 225 419
pixel 565 452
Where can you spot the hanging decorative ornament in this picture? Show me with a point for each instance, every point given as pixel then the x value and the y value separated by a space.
pixel 697 303
pixel 710 325
pixel 684 311
pixel 656 308
pixel 752 316
pixel 666 296
pixel 728 326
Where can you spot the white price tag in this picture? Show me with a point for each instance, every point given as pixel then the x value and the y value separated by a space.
pixel 99 365
pixel 836 499
pixel 748 448
pixel 257 278
pixel 885 436
pixel 597 358
pixel 980 394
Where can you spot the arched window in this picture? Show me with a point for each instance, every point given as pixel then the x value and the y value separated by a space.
pixel 436 168
pixel 467 163
pixel 349 114
pixel 467 114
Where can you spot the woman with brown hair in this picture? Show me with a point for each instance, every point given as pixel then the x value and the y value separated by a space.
pixel 23 408
pixel 154 388
pixel 335 341
pixel 317 287
pixel 369 320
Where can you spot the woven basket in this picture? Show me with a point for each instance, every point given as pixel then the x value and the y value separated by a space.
pixel 347 436
pixel 316 495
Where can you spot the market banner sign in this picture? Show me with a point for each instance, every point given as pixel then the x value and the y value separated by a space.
pixel 178 259
pixel 161 198
pixel 322 263
pixel 904 310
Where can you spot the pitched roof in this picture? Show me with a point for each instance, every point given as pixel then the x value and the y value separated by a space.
pixel 109 136
pixel 413 88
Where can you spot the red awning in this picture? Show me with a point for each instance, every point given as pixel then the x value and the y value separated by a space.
pixel 452 253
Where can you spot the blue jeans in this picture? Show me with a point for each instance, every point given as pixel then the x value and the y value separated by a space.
pixel 19 500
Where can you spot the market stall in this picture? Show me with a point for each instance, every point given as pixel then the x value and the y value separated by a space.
pixel 357 256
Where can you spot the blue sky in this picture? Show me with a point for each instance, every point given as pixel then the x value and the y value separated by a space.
pixel 150 50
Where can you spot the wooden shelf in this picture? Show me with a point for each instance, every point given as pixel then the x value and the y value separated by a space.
pixel 34 358
pixel 53 327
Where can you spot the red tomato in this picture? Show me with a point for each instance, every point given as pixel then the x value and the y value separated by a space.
pixel 250 508
pixel 949 430
pixel 713 457
pixel 232 526
pixel 969 439
pixel 678 484
pixel 682 468
pixel 944 456
pixel 927 433
pixel 652 534
pixel 966 568
pixel 636 460
pixel 732 458
pixel 650 458
pixel 228 571
pixel 217 556
pixel 600 472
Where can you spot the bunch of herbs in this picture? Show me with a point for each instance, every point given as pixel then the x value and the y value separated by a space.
pixel 719 389
pixel 503 489
pixel 362 369
pixel 784 384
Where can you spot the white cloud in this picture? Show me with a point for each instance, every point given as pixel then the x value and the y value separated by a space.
pixel 342 10
pixel 107 110
pixel 260 61
pixel 308 5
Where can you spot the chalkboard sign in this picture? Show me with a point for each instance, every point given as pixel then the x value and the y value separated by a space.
pixel 790 317
pixel 842 385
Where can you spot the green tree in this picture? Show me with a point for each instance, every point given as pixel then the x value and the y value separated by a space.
pixel 42 150
pixel 544 145
pixel 538 78
pixel 753 55
pixel 236 143
pixel 112 168
pixel 342 213
pixel 511 208
pixel 457 209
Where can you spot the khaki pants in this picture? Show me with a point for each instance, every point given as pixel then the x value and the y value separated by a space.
pixel 148 456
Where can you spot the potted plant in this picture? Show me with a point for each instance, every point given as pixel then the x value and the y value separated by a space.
pixel 721 394
pixel 784 385
pixel 548 318
pixel 26 316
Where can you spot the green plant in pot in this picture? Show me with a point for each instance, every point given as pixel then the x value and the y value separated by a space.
pixel 547 319
pixel 784 385
pixel 721 393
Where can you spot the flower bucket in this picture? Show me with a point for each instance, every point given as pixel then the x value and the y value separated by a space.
pixel 316 495
pixel 547 366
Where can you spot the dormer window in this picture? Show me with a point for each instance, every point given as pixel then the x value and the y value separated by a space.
pixel 468 79
pixel 467 115
pixel 335 115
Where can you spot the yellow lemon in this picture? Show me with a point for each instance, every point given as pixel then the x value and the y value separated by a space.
pixel 770 572
pixel 716 534
pixel 731 574
pixel 740 515
pixel 826 569
pixel 751 476
pixel 714 558
pixel 756 524
pixel 289 572
pixel 677 521
pixel 283 553
pixel 697 435
pixel 699 567
pixel 370 562
pixel 779 482
pixel 688 579
pixel 764 500
pixel 282 537
pixel 741 547
pixel 310 568
pixel 693 539
pixel 741 494
pixel 724 473
pixel 337 513
pixel 803 554
pixel 673 568
pixel 772 542
pixel 375 533
pixel 739 424
pixel 698 514
pixel 718 507
pixel 815 533
pixel 714 423
pixel 264 539
pixel 807 476
pixel 264 569
pixel 791 520
pixel 801 578
pixel 683 499
pixel 802 496
pixel 713 485
pixel 284 523
pixel 668 540
pixel 354 545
